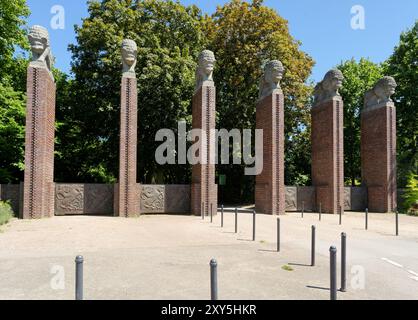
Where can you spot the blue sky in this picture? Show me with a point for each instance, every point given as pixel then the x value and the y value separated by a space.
pixel 323 27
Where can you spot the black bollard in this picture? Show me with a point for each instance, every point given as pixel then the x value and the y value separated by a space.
pixel 341 215
pixel 236 220
pixel 367 219
pixel 79 260
pixel 203 211
pixel 333 273
pixel 211 213
pixel 254 222
pixel 313 246
pixel 213 280
pixel 343 262
pixel 303 208
pixel 278 234
pixel 222 216
pixel 397 223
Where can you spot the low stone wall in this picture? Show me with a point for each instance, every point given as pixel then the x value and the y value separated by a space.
pixel 98 199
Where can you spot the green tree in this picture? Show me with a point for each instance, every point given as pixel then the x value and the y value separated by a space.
pixel 358 78
pixel 244 36
pixel 403 66
pixel 13 14
pixel 169 39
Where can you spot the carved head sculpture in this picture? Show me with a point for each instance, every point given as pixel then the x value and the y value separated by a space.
pixel 39 40
pixel 129 55
pixel 205 68
pixel 328 88
pixel 381 92
pixel 273 74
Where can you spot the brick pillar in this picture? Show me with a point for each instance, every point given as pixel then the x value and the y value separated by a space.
pixel 270 187
pixel 38 190
pixel 127 199
pixel 204 189
pixel 378 155
pixel 328 154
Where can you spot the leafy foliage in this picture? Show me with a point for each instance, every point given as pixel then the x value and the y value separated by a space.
pixel 6 213
pixel 410 197
pixel 403 66
pixel 244 36
pixel 169 39
pixel 359 77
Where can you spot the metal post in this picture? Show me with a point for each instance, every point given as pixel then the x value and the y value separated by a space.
pixel 211 213
pixel 278 234
pixel 222 216
pixel 203 211
pixel 236 220
pixel 313 246
pixel 367 219
pixel 320 212
pixel 333 273
pixel 213 280
pixel 343 262
pixel 79 278
pixel 397 223
pixel 254 221
pixel 341 215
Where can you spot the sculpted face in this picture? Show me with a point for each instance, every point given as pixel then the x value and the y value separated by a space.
pixel 274 71
pixel 334 80
pixel 129 52
pixel 207 62
pixel 38 39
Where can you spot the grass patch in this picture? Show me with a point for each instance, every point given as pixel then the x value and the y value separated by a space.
pixel 287 268
pixel 6 213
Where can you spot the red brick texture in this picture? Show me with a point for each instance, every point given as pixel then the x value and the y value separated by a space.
pixel 378 157
pixel 127 199
pixel 204 188
pixel 328 154
pixel 270 188
pixel 38 190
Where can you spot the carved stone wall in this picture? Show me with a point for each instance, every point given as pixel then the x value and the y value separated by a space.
pixel 165 198
pixel 11 192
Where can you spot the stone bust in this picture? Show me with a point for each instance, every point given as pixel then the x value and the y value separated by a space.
pixel 205 68
pixel 41 51
pixel 328 88
pixel 381 92
pixel 129 56
pixel 270 81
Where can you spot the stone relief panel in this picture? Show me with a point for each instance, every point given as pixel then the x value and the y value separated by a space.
pixel 347 198
pixel 291 198
pixel 69 199
pixel 152 199
pixel 178 198
pixel 98 199
pixel 306 198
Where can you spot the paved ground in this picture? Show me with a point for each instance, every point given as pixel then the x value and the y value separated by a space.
pixel 167 257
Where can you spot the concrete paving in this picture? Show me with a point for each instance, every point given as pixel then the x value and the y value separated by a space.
pixel 167 257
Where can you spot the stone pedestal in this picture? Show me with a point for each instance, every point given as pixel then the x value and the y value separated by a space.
pixel 39 144
pixel 328 154
pixel 270 188
pixel 378 156
pixel 127 199
pixel 204 190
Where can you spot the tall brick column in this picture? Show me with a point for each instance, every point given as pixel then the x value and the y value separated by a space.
pixel 128 197
pixel 328 144
pixel 378 147
pixel 204 188
pixel 270 186
pixel 38 193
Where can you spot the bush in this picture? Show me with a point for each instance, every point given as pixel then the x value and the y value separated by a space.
pixel 411 195
pixel 6 212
